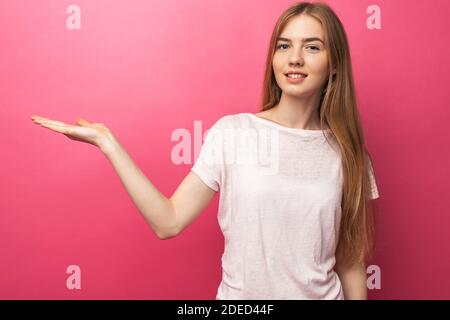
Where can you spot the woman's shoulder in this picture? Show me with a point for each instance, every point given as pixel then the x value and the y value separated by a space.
pixel 231 120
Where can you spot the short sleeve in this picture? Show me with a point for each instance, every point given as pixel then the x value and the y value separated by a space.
pixel 209 164
pixel 373 194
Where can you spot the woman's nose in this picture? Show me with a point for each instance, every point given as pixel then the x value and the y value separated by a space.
pixel 296 56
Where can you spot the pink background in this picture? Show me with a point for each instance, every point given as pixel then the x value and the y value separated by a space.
pixel 147 68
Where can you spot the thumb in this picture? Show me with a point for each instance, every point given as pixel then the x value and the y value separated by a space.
pixel 82 122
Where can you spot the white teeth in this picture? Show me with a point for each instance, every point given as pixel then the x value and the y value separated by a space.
pixel 296 76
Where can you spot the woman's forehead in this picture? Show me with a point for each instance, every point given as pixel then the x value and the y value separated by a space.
pixel 302 27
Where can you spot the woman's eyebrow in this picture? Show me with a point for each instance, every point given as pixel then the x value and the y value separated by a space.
pixel 310 39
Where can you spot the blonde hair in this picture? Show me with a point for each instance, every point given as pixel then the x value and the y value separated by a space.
pixel 338 111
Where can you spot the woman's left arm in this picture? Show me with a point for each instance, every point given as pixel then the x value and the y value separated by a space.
pixel 353 280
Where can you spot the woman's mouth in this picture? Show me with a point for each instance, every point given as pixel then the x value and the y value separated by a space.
pixel 295 77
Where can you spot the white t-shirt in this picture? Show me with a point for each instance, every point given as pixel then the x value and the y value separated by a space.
pixel 279 208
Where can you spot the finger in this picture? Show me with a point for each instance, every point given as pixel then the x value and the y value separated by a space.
pixel 57 128
pixel 38 118
pixel 59 123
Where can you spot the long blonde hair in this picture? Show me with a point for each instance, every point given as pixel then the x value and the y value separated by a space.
pixel 338 111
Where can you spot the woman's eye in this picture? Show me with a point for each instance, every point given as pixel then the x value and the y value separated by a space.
pixel 281 45
pixel 284 46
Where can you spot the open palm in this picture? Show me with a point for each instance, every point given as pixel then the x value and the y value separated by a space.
pixel 84 131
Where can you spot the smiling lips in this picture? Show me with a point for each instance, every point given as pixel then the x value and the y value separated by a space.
pixel 295 76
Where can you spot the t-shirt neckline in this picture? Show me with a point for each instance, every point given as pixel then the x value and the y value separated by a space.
pixel 303 132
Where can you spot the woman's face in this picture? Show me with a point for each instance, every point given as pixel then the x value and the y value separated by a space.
pixel 296 53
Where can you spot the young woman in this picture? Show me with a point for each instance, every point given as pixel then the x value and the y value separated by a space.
pixel 299 225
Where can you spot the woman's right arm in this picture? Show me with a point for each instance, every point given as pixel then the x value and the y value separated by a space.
pixel 167 217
